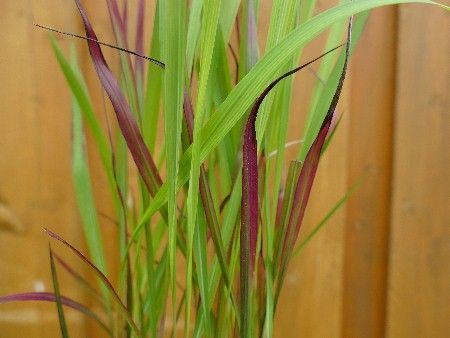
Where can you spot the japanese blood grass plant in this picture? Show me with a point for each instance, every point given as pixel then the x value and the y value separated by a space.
pixel 221 209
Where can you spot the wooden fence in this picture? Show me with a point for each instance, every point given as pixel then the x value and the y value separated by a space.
pixel 380 267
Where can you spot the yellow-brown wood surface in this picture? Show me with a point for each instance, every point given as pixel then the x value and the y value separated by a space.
pixel 381 265
pixel 419 264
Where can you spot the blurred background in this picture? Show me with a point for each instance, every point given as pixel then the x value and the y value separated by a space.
pixel 381 266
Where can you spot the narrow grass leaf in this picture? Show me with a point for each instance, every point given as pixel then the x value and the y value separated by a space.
pixel 208 207
pixel 140 26
pixel 307 175
pixel 172 28
pixel 81 96
pixel 193 33
pixel 228 13
pixel 152 101
pixel 61 317
pixel 84 194
pixel 78 278
pixel 323 93
pixel 327 217
pixel 100 275
pixel 51 297
pixel 127 123
pixel 249 219
pixel 247 91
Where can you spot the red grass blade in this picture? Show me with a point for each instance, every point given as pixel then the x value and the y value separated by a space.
pixel 206 197
pixel 127 123
pixel 308 173
pixel 80 279
pixel 59 307
pixel 50 297
pixel 99 274
pixel 252 36
pixel 125 20
pixel 250 159
pixel 249 206
pixel 116 17
pixel 140 37
pixel 249 218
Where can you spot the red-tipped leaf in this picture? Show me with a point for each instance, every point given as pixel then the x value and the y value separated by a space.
pixel 100 275
pixel 249 205
pixel 126 121
pixel 308 173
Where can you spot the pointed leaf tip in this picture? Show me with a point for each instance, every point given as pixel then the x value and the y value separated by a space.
pixel 308 173
pixel 125 118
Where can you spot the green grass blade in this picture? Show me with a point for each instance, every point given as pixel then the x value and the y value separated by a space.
pixel 228 12
pixel 61 317
pixel 152 100
pixel 193 33
pixel 245 93
pixel 80 94
pixel 210 18
pixel 322 95
pixel 84 194
pixel 202 272
pixel 282 21
pixel 327 217
pixel 268 67
pixel 172 27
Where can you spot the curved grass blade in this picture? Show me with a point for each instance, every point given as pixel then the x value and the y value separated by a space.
pixel 50 297
pixel 237 103
pixel 161 197
pixel 323 93
pixel 100 275
pixel 250 205
pixel 268 67
pixel 91 39
pixel 127 123
pixel 61 317
pixel 307 175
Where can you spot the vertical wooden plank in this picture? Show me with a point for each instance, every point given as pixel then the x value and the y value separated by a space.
pixel 35 182
pixel 370 154
pixel 419 271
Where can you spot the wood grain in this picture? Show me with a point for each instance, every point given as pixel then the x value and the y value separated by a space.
pixel 419 269
pixel 35 165
pixel 370 156
pixel 379 268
